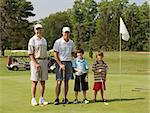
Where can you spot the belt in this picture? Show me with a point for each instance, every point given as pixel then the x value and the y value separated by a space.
pixel 41 58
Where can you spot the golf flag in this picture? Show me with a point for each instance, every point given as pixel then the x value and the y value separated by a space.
pixel 123 30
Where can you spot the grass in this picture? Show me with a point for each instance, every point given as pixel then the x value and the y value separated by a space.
pixel 133 82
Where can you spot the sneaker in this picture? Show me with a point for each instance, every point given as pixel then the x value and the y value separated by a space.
pixel 33 102
pixel 65 101
pixel 56 101
pixel 42 101
pixel 94 100
pixel 85 101
pixel 103 100
pixel 75 101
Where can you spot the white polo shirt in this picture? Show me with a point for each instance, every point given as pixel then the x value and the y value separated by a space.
pixel 64 49
pixel 37 47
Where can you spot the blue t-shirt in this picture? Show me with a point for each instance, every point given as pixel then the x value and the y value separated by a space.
pixel 80 64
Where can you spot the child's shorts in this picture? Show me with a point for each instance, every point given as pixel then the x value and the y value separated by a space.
pixel 99 86
pixel 80 83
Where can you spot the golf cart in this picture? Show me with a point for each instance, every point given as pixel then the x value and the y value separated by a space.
pixel 18 60
pixel 51 63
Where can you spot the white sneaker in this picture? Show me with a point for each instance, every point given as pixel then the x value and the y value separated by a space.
pixel 85 101
pixel 33 102
pixel 42 101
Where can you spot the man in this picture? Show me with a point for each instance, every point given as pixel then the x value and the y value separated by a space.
pixel 63 51
pixel 37 50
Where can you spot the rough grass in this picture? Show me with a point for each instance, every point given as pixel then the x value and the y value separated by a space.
pixel 131 86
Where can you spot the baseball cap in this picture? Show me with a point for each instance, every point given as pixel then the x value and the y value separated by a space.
pixel 65 29
pixel 38 26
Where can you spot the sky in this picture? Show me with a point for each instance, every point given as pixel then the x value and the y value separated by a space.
pixel 42 8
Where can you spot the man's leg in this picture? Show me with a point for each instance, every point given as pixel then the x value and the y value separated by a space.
pixel 33 89
pixel 42 88
pixel 57 91
pixel 67 87
pixel 58 88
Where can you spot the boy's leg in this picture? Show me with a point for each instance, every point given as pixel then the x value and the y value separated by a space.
pixel 84 94
pixel 102 94
pixel 95 94
pixel 102 90
pixel 76 97
pixel 85 101
pixel 76 94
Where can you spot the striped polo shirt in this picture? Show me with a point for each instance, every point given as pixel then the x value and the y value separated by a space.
pixel 100 70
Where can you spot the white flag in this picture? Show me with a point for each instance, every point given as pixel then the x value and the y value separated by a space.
pixel 123 30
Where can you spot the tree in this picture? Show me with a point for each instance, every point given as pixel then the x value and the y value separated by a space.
pixel 15 22
pixel 82 16
pixel 107 26
pixel 137 19
pixel 53 26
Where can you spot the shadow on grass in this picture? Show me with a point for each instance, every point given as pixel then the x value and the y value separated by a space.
pixel 109 100
pixel 118 100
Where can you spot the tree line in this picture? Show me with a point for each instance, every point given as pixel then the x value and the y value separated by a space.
pixel 93 25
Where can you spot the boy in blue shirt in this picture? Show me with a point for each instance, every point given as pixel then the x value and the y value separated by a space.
pixel 81 71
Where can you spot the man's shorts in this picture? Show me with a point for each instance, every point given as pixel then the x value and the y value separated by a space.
pixel 99 86
pixel 41 75
pixel 68 71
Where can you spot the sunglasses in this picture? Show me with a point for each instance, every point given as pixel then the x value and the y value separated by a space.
pixel 38 28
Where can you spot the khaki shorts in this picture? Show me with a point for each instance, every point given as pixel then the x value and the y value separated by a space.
pixel 41 75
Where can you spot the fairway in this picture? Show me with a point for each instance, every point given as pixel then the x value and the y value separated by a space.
pixel 127 92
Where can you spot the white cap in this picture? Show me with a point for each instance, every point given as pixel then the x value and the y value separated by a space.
pixel 38 26
pixel 66 29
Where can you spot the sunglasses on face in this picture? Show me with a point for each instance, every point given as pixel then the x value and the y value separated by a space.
pixel 38 28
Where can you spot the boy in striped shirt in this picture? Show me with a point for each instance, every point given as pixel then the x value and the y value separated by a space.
pixel 100 70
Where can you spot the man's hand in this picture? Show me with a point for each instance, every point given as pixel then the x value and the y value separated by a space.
pixel 62 66
pixel 37 65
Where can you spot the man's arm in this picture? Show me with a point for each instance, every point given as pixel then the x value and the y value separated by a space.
pixel 32 58
pixel 58 60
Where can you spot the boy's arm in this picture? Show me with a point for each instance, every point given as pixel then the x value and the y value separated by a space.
pixel 87 72
pixel 76 69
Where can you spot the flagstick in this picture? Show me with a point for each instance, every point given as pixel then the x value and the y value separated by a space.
pixel 120 65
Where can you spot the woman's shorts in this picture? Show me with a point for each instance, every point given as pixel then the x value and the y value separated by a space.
pixel 99 86
pixel 68 71
pixel 80 83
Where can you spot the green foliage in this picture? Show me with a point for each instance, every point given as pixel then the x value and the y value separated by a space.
pixel 82 17
pixel 93 25
pixel 53 26
pixel 16 24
